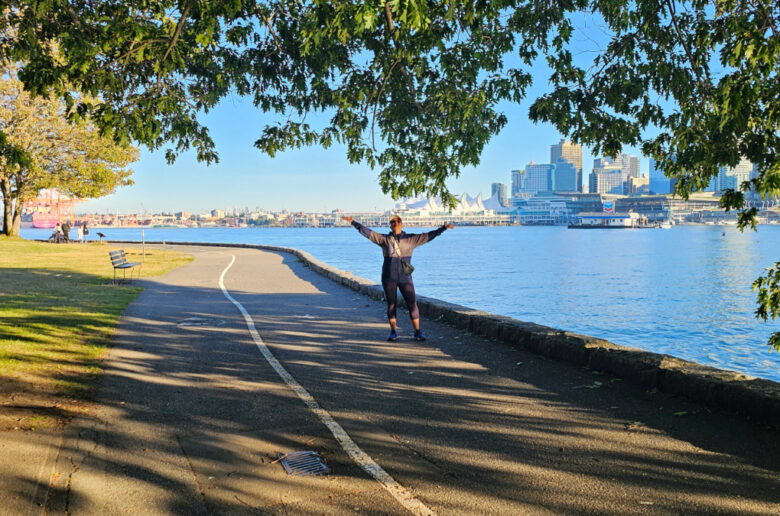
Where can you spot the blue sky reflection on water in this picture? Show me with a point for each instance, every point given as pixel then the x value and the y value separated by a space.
pixel 684 291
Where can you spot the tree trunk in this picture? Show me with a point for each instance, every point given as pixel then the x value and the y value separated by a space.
pixel 16 225
pixel 8 223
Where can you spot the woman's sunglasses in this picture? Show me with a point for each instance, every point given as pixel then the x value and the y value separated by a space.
pixel 395 221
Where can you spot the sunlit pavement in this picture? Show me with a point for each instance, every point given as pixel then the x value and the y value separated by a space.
pixel 192 417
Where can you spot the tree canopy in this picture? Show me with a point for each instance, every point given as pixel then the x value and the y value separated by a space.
pixel 52 153
pixel 412 87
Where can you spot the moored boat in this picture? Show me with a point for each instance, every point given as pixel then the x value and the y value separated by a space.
pixel 45 220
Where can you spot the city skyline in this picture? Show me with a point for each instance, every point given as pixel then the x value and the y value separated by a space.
pixel 308 179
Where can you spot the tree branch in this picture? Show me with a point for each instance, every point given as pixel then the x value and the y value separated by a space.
pixel 271 30
pixel 175 37
pixel 694 66
pixel 761 7
pixel 394 36
pixel 376 99
pixel 133 49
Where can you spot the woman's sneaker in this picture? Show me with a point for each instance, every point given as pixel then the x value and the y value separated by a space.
pixel 393 336
pixel 418 335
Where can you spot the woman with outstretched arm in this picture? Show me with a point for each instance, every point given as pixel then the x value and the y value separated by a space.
pixel 397 247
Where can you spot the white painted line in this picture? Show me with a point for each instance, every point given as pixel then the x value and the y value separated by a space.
pixel 398 491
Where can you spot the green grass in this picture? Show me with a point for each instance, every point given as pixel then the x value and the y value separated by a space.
pixel 58 311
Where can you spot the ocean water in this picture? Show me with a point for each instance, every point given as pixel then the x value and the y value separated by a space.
pixel 684 291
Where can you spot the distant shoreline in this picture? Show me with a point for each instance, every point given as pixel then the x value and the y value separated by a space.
pixel 278 226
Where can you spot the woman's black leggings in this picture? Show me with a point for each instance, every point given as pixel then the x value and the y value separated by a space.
pixel 391 296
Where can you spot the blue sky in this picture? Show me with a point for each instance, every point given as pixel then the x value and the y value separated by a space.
pixel 308 179
pixel 316 179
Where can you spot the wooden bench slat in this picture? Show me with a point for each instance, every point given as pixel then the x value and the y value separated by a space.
pixel 119 261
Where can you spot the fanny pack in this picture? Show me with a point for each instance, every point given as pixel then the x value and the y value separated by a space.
pixel 408 267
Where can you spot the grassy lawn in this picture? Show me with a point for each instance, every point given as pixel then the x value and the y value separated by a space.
pixel 57 313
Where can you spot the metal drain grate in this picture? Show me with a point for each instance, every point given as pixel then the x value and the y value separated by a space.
pixel 200 321
pixel 303 463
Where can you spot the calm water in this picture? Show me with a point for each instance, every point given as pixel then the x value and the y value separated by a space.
pixel 683 291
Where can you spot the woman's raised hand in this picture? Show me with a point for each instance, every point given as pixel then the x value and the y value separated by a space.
pixel 449 226
pixel 348 219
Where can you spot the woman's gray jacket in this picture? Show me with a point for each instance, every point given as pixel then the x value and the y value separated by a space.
pixel 392 270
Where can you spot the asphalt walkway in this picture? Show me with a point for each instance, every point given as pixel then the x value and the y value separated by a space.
pixel 191 417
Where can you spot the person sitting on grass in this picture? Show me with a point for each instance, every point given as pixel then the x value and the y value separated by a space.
pixel 56 236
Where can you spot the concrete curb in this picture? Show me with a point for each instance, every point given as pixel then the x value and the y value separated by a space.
pixel 719 388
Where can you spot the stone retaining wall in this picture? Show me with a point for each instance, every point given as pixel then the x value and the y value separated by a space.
pixel 754 397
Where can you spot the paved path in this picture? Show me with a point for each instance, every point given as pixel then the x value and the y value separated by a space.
pixel 191 416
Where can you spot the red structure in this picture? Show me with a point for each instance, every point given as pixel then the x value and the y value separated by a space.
pixel 51 207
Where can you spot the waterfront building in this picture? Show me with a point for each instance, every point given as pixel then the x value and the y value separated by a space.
pixel 660 208
pixel 696 208
pixel 496 204
pixel 498 190
pixel 564 177
pixel 553 208
pixel 545 208
pixel 432 212
pixel 518 182
pixel 538 177
pixel 571 152
pixel 653 208
pixel 579 202
pixel 606 220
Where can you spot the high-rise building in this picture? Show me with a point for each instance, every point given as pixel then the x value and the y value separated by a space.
pixel 518 182
pixel 608 179
pixel 538 177
pixel 659 183
pixel 733 177
pixel 571 152
pixel 628 164
pixel 500 189
pixel 564 176
pixel 638 185
pixel 607 172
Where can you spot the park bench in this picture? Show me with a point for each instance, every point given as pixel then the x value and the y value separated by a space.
pixel 119 261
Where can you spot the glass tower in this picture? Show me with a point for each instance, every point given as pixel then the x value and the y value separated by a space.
pixel 571 152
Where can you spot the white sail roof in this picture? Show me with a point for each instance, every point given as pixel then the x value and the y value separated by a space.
pixel 493 203
pixel 465 204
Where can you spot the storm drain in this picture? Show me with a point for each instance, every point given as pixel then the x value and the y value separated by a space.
pixel 302 463
pixel 199 321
